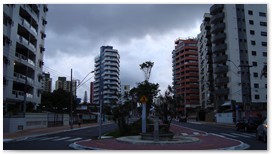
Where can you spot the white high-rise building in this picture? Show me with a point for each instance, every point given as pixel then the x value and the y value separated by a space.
pixel 23 49
pixel 239 56
pixel 107 81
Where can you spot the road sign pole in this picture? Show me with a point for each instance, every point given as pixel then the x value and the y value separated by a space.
pixel 143 117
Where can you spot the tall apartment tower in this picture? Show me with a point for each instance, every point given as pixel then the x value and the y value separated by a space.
pixel 47 82
pixel 185 74
pixel 107 81
pixel 205 61
pixel 125 93
pixel 23 38
pixel 61 83
pixel 239 51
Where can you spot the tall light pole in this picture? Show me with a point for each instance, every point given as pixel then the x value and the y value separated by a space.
pixel 71 102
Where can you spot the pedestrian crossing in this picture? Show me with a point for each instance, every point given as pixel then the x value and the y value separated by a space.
pixel 192 134
pixel 238 135
pixel 55 138
pixel 232 135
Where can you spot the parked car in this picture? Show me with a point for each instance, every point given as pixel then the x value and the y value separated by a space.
pixel 261 132
pixel 248 124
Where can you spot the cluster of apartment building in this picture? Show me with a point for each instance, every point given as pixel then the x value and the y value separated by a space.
pixel 224 67
pixel 221 69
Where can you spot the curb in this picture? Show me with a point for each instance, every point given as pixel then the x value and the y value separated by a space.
pixel 241 146
pixel 81 147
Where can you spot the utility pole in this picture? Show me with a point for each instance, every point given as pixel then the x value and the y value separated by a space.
pixel 71 102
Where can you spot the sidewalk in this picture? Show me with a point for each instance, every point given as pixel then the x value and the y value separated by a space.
pixel 42 131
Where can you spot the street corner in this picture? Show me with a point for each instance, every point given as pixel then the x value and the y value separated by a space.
pixel 225 143
pixel 8 140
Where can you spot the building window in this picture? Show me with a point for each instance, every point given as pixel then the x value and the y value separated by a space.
pixel 256 85
pixel 265 54
pixel 257 96
pixel 253 43
pixel 264 44
pixel 262 14
pixel 263 24
pixel 254 63
pixel 254 53
pixel 252 32
pixel 251 22
pixel 255 74
pixel 250 12
pixel 263 33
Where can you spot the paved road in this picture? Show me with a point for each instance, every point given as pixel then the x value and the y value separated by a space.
pixel 58 141
pixel 229 132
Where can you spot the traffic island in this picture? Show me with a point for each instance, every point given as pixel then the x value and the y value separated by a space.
pixel 174 140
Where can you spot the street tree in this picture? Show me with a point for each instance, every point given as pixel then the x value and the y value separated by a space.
pixel 150 90
pixel 146 68
pixel 166 107
pixel 58 101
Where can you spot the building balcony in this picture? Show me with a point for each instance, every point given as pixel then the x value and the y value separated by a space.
pixel 217 17
pixel 218 27
pixel 221 80
pixel 218 37
pixel 219 48
pixel 21 58
pixel 223 91
pixel 221 69
pixel 21 94
pixel 215 8
pixel 26 43
pixel 24 23
pixel 31 11
pixel 220 59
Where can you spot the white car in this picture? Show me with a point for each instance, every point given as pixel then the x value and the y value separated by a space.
pixel 261 132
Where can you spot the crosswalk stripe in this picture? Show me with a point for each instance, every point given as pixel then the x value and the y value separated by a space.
pixel 240 135
pixel 251 135
pixel 184 134
pixel 49 138
pixel 196 133
pixel 64 138
pixel 75 139
pixel 224 134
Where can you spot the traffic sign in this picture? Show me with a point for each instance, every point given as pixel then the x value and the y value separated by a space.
pixel 143 99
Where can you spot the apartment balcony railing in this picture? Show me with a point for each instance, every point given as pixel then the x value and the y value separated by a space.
pixel 219 48
pixel 24 59
pixel 223 91
pixel 21 94
pixel 221 69
pixel 217 17
pixel 221 80
pixel 218 37
pixel 216 7
pixel 218 27
pixel 26 43
pixel 27 25
pixel 21 78
pixel 220 59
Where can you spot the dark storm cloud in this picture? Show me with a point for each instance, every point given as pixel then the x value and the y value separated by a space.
pixel 95 24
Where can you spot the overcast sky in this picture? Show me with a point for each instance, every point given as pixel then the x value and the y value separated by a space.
pixel 75 33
